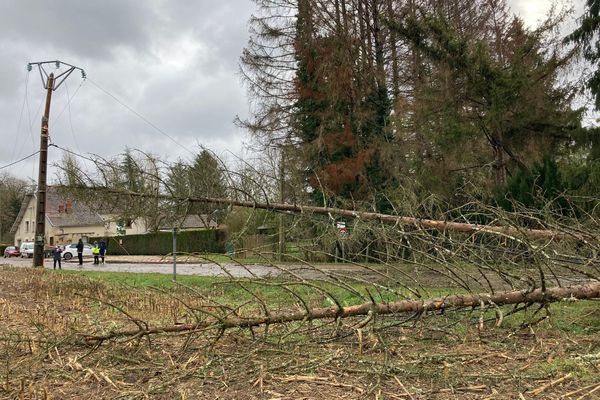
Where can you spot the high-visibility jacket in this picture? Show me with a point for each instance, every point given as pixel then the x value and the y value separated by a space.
pixel 95 250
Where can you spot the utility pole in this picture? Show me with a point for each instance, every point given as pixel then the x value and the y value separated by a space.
pixel 51 83
pixel 40 216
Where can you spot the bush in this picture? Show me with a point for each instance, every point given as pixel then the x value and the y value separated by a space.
pixel 161 243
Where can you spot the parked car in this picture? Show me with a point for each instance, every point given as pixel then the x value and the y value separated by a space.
pixel 70 251
pixel 27 249
pixel 48 251
pixel 12 251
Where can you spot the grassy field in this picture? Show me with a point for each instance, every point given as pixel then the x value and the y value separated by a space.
pixel 45 318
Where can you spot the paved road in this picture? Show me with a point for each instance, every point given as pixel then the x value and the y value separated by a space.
pixel 201 269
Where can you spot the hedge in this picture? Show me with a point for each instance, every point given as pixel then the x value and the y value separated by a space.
pixel 161 243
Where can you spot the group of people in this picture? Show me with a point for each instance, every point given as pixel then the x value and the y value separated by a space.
pixel 98 251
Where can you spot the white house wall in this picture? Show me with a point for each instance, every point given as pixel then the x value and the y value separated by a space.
pixel 69 234
pixel 26 230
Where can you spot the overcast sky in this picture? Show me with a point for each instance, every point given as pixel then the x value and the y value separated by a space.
pixel 174 62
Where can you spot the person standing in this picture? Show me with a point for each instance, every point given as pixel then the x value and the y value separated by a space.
pixel 102 250
pixel 96 253
pixel 80 252
pixel 56 255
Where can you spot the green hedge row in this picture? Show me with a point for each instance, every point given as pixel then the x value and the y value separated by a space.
pixel 161 243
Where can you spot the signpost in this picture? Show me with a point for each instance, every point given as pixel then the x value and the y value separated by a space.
pixel 174 254
pixel 342 233
pixel 342 230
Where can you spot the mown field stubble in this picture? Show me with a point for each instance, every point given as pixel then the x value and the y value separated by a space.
pixel 48 322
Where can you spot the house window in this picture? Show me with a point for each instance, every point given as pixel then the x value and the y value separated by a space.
pixel 51 240
pixel 26 226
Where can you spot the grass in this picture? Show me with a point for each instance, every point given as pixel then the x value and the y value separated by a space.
pixel 441 356
pixel 580 317
pixel 569 317
pixel 275 291
pixel 143 280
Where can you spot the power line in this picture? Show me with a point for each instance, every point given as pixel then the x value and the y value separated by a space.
pixel 12 154
pixel 32 136
pixel 30 127
pixel 69 99
pixel 31 122
pixel 72 152
pixel 68 105
pixel 140 116
pixel 18 161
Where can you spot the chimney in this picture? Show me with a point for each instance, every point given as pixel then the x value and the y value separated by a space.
pixel 68 206
pixel 61 208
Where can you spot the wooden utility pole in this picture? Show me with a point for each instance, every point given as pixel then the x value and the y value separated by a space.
pixel 51 83
pixel 40 215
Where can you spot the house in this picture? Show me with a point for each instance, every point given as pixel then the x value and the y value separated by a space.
pixel 191 222
pixel 67 220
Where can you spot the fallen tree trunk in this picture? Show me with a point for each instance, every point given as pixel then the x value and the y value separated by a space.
pixel 363 215
pixel 457 301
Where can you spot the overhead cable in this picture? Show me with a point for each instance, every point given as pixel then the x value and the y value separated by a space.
pixel 140 116
pixel 18 161
pixel 20 116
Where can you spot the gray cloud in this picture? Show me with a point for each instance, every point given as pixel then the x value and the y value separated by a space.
pixel 89 29
pixel 174 62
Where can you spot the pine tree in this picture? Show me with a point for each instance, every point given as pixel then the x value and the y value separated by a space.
pixel 492 101
pixel 586 35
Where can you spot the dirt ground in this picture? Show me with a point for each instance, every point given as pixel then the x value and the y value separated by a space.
pixel 45 319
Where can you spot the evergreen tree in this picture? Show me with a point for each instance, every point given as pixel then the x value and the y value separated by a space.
pixel 207 178
pixel 137 174
pixel 483 105
pixel 204 177
pixel 71 173
pixel 586 35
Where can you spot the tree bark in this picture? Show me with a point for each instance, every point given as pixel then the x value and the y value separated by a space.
pixel 499 164
pixel 394 53
pixel 458 301
pixel 438 225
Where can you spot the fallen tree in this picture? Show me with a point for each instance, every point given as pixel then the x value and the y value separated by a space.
pixel 388 219
pixel 443 256
pixel 451 302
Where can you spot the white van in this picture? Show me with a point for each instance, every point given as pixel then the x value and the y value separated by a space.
pixel 27 249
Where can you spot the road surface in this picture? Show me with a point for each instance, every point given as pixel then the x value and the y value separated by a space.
pixel 151 265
